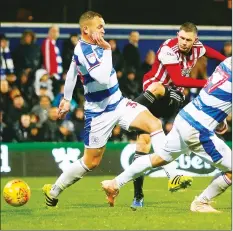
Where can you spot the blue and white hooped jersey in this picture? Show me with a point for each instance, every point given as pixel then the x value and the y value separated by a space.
pixel 99 98
pixel 213 104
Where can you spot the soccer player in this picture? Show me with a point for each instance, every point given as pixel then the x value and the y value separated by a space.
pixel 174 61
pixel 104 105
pixel 193 131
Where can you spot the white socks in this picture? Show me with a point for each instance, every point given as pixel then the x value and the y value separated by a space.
pixel 216 187
pixel 157 141
pixel 139 166
pixel 74 173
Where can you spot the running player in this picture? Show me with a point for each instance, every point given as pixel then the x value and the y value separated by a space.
pixel 104 105
pixel 174 61
pixel 193 131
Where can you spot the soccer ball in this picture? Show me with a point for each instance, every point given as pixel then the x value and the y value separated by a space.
pixel 16 192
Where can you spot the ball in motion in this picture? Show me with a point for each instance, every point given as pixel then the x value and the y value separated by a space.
pixel 16 193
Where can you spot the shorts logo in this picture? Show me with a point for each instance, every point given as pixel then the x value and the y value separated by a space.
pixel 91 58
pixel 94 140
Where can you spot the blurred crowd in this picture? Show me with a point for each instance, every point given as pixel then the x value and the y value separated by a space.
pixel 32 85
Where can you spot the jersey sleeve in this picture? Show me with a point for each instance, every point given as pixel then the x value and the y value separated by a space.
pixel 71 78
pixel 167 56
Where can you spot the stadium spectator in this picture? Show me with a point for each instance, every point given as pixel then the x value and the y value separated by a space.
pixel 78 119
pixel 27 56
pixel 43 84
pixel 51 126
pixel 68 51
pixel 6 63
pixel 66 130
pixel 6 132
pixel 52 60
pixel 16 109
pixel 117 58
pixel 22 130
pixel 34 119
pixel 131 51
pixel 36 133
pixel 42 109
pixel 227 49
pixel 4 96
pixel 26 88
pixel 146 66
pixel 148 62
pixel 129 85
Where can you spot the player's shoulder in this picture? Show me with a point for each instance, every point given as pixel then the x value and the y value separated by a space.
pixel 170 46
pixel 198 44
pixel 172 43
pixel 84 47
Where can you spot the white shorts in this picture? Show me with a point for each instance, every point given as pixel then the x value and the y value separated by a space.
pixel 184 139
pixel 98 129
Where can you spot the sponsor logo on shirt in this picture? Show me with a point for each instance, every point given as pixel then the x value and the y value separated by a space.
pixel 91 58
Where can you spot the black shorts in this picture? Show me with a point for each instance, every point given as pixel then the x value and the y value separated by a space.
pixel 162 109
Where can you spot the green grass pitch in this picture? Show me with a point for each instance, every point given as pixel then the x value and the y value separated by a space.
pixel 83 207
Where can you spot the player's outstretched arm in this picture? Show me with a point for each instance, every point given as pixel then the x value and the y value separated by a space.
pixel 213 54
pixel 174 71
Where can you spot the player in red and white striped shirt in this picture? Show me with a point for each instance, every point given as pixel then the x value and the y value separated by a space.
pixel 163 86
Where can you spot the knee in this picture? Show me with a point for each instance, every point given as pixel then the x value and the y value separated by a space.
pixel 158 161
pixel 93 163
pixel 143 144
pixel 157 89
pixel 155 125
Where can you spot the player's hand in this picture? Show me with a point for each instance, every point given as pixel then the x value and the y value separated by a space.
pixel 176 97
pixel 222 128
pixel 98 39
pixel 63 109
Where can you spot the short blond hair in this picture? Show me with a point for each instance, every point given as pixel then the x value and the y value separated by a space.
pixel 189 27
pixel 89 15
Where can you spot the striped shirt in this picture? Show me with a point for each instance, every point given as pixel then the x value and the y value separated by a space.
pixel 93 65
pixel 7 65
pixel 214 102
pixel 169 53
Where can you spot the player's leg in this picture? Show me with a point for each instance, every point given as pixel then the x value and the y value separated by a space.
pixel 163 102
pixel 172 148
pixel 219 155
pixel 74 173
pixel 147 99
pixel 154 92
pixel 143 147
pixel 97 131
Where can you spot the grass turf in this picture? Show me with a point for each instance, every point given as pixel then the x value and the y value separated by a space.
pixel 83 207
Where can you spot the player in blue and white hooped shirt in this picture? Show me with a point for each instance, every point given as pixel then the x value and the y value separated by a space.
pixel 194 131
pixel 104 105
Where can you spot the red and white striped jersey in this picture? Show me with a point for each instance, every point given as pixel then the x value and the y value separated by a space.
pixel 52 60
pixel 169 53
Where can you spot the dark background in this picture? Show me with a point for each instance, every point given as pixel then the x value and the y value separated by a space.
pixel 172 12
